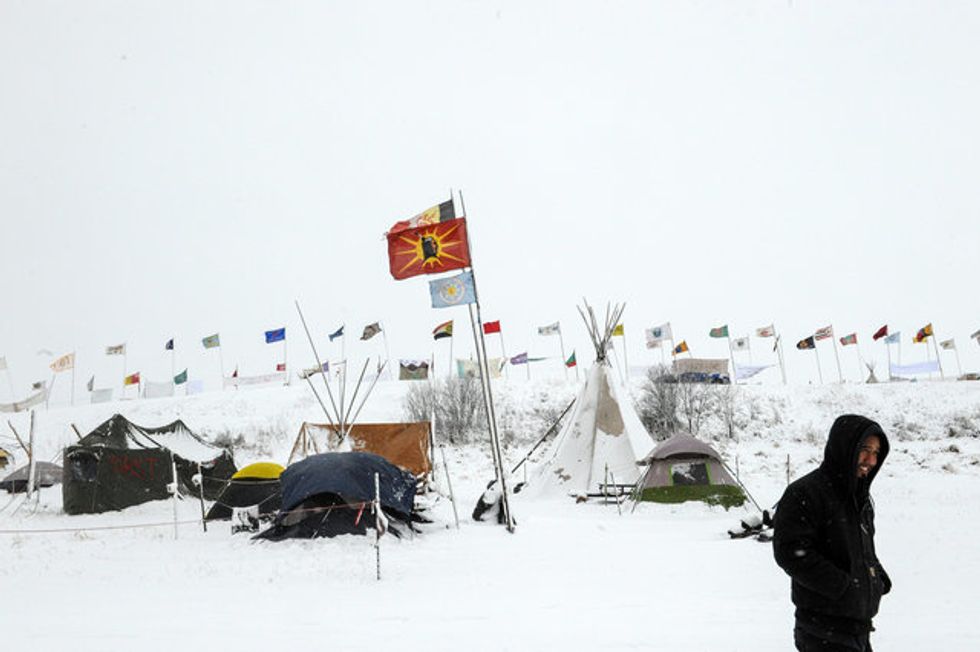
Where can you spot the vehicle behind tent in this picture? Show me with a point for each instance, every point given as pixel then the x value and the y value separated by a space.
pixel 329 494
pixel 684 468
pixel 46 474
pixel 120 464
pixel 254 486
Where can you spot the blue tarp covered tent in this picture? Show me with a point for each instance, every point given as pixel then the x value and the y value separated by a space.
pixel 329 493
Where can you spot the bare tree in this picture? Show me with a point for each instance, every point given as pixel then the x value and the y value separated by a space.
pixel 658 403
pixel 458 405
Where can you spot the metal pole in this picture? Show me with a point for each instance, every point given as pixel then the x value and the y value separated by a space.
pixel 840 375
pixel 449 483
pixel 939 360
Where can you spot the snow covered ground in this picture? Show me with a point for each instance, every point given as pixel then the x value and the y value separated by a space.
pixel 572 577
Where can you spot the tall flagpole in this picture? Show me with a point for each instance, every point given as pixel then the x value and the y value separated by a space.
pixel 816 352
pixel 503 352
pixel 561 343
pixel 731 354
pixel 452 363
pixel 939 360
pixel 779 352
pixel 959 367
pixel 384 340
pixel 888 353
pixel 481 345
pixel 833 336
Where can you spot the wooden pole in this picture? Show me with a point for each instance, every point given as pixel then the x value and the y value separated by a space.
pixel 31 461
pixel 200 495
pixel 19 440
pixel 173 489
pixel 323 373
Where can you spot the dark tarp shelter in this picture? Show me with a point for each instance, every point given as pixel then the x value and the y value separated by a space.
pixel 331 493
pixel 256 485
pixel 46 474
pixel 121 464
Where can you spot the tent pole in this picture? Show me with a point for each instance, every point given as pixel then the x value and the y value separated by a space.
pixel 200 494
pixel 323 372
pixel 31 461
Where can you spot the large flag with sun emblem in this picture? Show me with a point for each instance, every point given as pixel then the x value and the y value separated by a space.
pixel 428 249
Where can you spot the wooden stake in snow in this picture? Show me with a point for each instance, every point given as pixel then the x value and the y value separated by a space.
pixel 173 489
pixel 377 525
pixel 31 461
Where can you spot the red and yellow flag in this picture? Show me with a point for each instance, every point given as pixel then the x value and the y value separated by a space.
pixel 428 249
pixel 924 332
pixel 132 379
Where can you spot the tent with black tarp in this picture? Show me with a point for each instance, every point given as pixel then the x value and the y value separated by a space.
pixel 120 464
pixel 255 485
pixel 329 494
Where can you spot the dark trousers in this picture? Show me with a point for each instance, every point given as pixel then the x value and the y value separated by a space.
pixel 806 642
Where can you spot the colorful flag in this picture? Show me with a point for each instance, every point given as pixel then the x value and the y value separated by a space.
pixel 924 332
pixel 807 343
pixel 452 291
pixel 550 329
pixel 445 329
pixel 880 333
pixel 681 348
pixel 618 331
pixel 119 349
pixel 491 327
pixel 658 334
pixel 281 366
pixel 169 346
pixel 276 335
pixel 432 249
pixel 211 341
pixel 766 331
pixel 180 378
pixel 948 345
pixel 370 331
pixel 64 363
pixel 443 212
pixel 720 331
pixel 520 358
pixel 90 385
pixel 824 333
pixel 849 339
pixel 893 338
pixel 337 333
pixel 740 343
pixel 306 373
pixel 132 379
pixel 413 369
pixel 571 361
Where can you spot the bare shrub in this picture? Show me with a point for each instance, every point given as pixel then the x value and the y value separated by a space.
pixel 694 404
pixel 658 403
pixel 458 406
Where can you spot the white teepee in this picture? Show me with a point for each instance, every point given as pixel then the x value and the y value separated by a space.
pixel 604 439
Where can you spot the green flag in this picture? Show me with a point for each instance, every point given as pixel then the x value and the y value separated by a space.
pixel 180 378
pixel 721 331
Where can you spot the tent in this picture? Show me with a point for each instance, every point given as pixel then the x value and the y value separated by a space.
pixel 256 485
pixel 684 468
pixel 597 450
pixel 331 493
pixel 120 464
pixel 403 444
pixel 46 474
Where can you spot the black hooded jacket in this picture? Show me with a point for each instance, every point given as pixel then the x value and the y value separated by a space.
pixel 823 537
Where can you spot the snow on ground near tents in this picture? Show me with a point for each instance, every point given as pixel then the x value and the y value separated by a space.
pixel 572 577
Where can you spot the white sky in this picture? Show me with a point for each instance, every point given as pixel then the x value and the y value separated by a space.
pixel 185 168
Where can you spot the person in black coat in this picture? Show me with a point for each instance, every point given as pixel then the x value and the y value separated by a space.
pixel 823 537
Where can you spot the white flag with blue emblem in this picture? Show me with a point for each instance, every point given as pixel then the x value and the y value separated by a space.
pixel 453 291
pixel 658 334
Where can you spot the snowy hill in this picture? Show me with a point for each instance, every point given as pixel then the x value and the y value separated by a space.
pixel 575 577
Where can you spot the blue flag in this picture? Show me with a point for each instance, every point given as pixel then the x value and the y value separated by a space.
pixel 277 335
pixel 453 291
pixel 337 333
